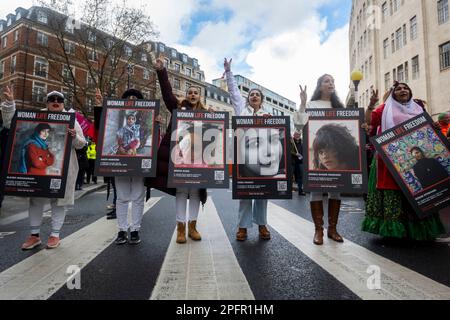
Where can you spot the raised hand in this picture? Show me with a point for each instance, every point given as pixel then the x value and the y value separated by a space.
pixel 374 98
pixel 303 95
pixel 98 97
pixel 8 94
pixel 227 64
pixel 159 63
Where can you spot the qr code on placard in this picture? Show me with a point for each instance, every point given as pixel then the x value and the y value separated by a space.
pixel 282 186
pixel 356 178
pixel 219 175
pixel 146 164
pixel 55 184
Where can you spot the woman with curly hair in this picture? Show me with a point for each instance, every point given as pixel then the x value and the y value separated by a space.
pixel 328 155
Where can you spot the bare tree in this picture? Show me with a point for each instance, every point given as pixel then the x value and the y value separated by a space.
pixel 107 42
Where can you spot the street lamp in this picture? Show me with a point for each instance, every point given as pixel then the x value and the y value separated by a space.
pixel 356 77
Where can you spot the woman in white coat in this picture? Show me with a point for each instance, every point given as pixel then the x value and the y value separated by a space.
pixel 324 97
pixel 250 210
pixel 55 103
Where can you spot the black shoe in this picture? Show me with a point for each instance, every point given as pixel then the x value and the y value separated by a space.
pixel 121 237
pixel 111 215
pixel 134 237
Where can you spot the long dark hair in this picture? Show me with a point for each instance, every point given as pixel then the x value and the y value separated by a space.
pixel 339 139
pixel 317 95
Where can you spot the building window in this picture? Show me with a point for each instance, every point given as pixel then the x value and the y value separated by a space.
pixel 406 72
pixel 90 82
pixel 396 5
pixel 42 39
pixel 392 43
pixel 413 27
pixel 199 76
pixel 40 67
pixel 4 41
pixel 128 51
pixel 195 63
pixel 42 17
pixel 39 90
pixel 177 67
pixel 442 11
pixel 66 73
pixel 146 74
pixel 415 68
pixel 91 36
pixel 173 53
pixel 162 47
pixel 404 35
pixel 398 39
pixel 176 83
pixel 385 10
pixel 92 55
pixel 188 72
pixel 444 51
pixel 69 27
pixel 400 73
pixel 16 35
pixel 13 64
pixel 69 47
pixel 2 69
pixel 184 58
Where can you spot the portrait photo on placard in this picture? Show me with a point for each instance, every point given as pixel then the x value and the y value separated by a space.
pixel 128 133
pixel 334 145
pixel 261 153
pixel 38 148
pixel 200 144
pixel 420 158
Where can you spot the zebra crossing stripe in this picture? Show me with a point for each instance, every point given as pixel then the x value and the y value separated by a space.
pixel 202 270
pixel 349 263
pixel 42 274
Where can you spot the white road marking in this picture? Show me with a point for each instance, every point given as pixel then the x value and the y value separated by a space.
pixel 24 214
pixel 202 270
pixel 348 262
pixel 42 274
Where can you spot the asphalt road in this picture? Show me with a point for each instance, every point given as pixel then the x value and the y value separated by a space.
pixel 274 269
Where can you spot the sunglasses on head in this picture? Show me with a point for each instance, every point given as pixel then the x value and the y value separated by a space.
pixel 55 99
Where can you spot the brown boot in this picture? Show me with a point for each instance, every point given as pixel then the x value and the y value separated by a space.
pixel 241 235
pixel 264 233
pixel 181 232
pixel 317 215
pixel 333 214
pixel 192 231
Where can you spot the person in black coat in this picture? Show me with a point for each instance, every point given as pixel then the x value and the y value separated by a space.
pixel 427 170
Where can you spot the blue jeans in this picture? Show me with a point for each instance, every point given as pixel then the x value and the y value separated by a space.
pixel 252 210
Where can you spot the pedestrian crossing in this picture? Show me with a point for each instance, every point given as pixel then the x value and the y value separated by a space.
pixel 210 270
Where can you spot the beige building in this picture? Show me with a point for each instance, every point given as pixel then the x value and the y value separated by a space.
pixel 402 40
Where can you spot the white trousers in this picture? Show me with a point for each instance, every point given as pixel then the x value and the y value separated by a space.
pixel 36 212
pixel 130 189
pixel 181 204
pixel 318 196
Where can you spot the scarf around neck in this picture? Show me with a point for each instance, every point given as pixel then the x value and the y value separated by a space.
pixel 395 113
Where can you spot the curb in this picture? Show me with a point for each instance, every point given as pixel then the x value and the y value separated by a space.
pixel 93 189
